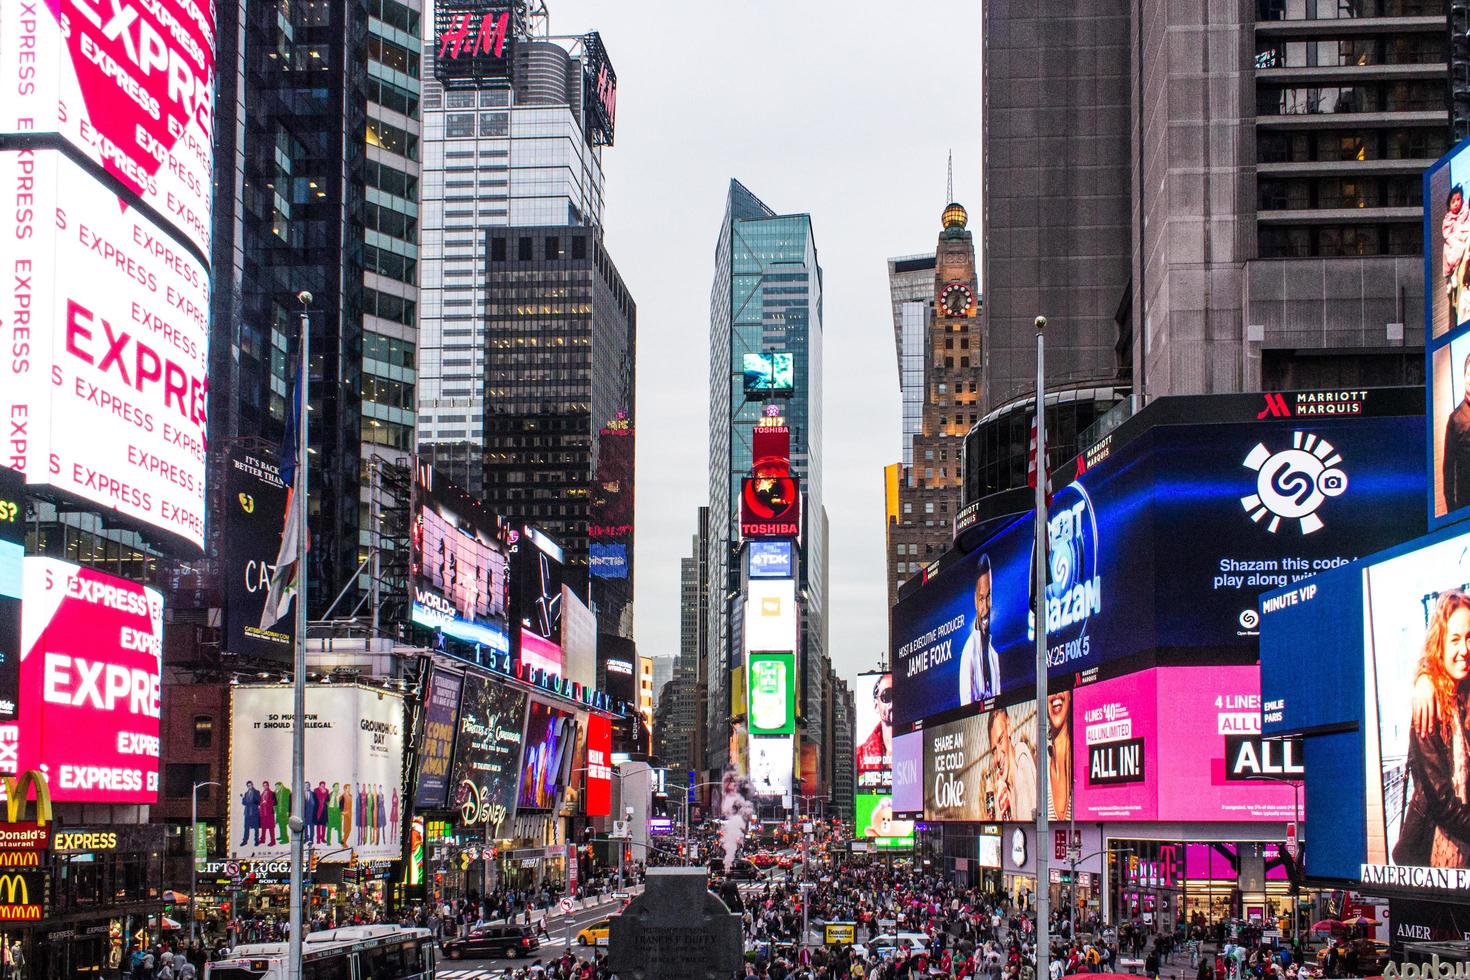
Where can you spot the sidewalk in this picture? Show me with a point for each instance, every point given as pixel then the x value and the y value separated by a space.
pixel 554 914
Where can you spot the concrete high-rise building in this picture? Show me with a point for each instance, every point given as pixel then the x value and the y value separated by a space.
pixel 844 774
pixel 767 296
pixel 692 666
pixel 936 329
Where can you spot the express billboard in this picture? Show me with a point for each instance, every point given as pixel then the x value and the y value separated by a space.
pixel 487 754
pixel 1447 332
pixel 130 86
pixel 768 372
pixel 610 516
pixel 873 757
pixel 578 640
pixel 771 682
pixel 460 572
pixel 108 380
pixel 1165 545
pixel 12 590
pixel 599 90
pixel 1177 743
pixel 91 666
pixel 770 500
pixel 254 509
pixel 546 757
pixel 354 773
pixel 436 743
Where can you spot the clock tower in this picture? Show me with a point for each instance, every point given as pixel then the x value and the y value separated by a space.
pixel 940 376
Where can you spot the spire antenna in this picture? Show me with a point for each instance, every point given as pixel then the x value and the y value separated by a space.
pixel 949 187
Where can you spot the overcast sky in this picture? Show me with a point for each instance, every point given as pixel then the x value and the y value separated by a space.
pixel 843 110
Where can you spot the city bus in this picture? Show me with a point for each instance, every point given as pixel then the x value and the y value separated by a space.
pixel 350 953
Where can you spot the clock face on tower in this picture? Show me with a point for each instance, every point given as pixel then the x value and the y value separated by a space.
pixel 956 299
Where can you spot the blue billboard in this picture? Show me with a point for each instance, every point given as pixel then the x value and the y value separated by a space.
pixel 607 560
pixel 769 559
pixel 1161 548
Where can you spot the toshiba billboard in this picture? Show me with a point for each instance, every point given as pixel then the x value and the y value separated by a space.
pixel 106 348
pixel 90 678
pixel 129 83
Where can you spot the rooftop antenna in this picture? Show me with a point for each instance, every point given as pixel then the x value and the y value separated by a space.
pixel 949 188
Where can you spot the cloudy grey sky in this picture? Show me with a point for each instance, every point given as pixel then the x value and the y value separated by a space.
pixel 845 110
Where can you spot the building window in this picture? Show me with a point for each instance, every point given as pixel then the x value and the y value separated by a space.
pixel 459 125
pixel 203 731
pixel 553 248
pixel 497 250
pixel 523 248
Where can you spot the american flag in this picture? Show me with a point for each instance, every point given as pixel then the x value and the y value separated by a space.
pixel 1031 465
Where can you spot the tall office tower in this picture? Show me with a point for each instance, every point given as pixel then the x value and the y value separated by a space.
pixel 558 380
pixel 936 330
pixel 1227 199
pixel 692 665
pixel 844 775
pixel 316 178
pixel 508 143
pixel 766 297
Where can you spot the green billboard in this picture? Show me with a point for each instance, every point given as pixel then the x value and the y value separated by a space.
pixel 875 822
pixel 771 683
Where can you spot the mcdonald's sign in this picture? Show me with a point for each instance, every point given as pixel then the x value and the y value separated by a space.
pixel 18 790
pixel 22 896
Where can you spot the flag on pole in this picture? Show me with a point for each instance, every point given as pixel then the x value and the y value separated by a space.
pixel 284 578
pixel 1031 465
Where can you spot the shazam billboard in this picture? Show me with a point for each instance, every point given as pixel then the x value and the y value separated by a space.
pixel 1164 543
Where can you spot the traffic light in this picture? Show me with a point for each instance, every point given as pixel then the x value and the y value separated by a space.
pixel 315 859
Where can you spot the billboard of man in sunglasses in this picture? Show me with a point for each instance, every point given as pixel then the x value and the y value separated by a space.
pixel 875 754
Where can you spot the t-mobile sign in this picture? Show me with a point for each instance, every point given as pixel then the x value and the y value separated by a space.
pixel 90 680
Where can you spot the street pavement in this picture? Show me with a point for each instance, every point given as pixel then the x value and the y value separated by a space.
pixel 562 928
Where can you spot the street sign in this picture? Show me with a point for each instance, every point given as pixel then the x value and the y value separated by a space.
pixel 566 905
pixel 1291 841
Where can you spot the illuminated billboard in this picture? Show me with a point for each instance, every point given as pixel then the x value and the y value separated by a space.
pixel 908 773
pixel 354 773
pixel 487 754
pixel 546 756
pixel 537 580
pixel 607 560
pixel 12 590
pixel 770 615
pixel 770 559
pixel 91 680
pixel 770 499
pixel 460 567
pixel 597 800
pixel 771 682
pixel 875 821
pixel 982 767
pixel 578 640
pixel 1166 544
pixel 769 372
pixel 254 508
pixel 873 757
pixel 610 517
pixel 475 41
pixel 130 86
pixel 108 381
pixel 436 742
pixel 771 771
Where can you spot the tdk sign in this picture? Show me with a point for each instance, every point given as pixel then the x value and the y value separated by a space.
pixel 769 559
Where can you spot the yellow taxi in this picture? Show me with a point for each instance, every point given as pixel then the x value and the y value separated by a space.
pixel 594 933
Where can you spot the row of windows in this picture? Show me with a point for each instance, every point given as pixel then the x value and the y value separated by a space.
pixel 379 433
pixel 1346 9
pixel 461 125
pixel 1388 144
pixel 392 139
pixel 1398 50
pixel 465 99
pixel 1340 240
pixel 388 350
pixel 389 307
pixel 390 264
pixel 391 180
pixel 1401 96
pixel 552 249
pixel 388 393
pixel 395 224
pixel 395 56
pixel 394 14
pixel 1338 192
pixel 393 97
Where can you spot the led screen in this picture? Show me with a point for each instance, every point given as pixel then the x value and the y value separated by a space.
pixel 546 759
pixel 982 767
pixel 770 559
pixel 487 754
pixel 607 560
pixel 538 584
pixel 436 744
pixel 772 685
pixel 12 589
pixel 108 382
pixel 771 765
pixel 875 821
pixel 1167 544
pixel 130 85
pixel 354 771
pixel 908 773
pixel 597 801
pixel 255 513
pixel 461 582
pixel 770 615
pixel 769 372
pixel 989 850
pixel 873 757
pixel 1447 325
pixel 91 682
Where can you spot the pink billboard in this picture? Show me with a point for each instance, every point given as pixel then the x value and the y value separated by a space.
pixel 908 773
pixel 1178 743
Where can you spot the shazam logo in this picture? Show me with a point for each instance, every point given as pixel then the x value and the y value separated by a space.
pixel 1293 483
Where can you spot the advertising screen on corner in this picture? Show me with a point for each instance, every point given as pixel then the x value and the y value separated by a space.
pixel 461 569
pixel 91 668
pixel 110 383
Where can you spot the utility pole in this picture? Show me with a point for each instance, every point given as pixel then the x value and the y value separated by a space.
pixel 1043 785
pixel 298 684
pixel 194 864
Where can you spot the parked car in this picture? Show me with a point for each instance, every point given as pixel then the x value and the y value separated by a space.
pixel 510 942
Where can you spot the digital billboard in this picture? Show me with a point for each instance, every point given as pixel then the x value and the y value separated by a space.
pixel 460 565
pixel 769 372
pixel 487 754
pixel 108 381
pixel 982 767
pixel 771 769
pixel 770 615
pixel 538 585
pixel 770 500
pixel 91 667
pixel 908 773
pixel 12 590
pixel 873 757
pixel 1447 329
pixel 354 773
pixel 436 743
pixel 875 821
pixel 610 516
pixel 770 559
pixel 1179 743
pixel 771 682
pixel 607 560
pixel 578 640
pixel 597 800
pixel 130 86
pixel 546 757
pixel 1165 545
pixel 254 509
pixel 475 41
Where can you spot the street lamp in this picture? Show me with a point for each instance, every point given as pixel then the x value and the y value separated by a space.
pixel 1074 858
pixel 194 847
pixel 1296 810
pixel 687 790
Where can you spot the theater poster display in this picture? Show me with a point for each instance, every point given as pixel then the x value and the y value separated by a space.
pixel 1168 544
pixel 875 821
pixel 537 580
pixel 109 378
pixel 546 758
pixel 436 744
pixel 255 509
pixel 91 682
pixel 487 754
pixel 982 767
pixel 873 758
pixel 461 581
pixel 129 85
pixel 354 773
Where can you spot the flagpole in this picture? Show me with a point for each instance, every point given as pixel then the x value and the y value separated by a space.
pixel 298 725
pixel 1043 784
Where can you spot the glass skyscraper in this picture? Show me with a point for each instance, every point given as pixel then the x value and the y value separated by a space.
pixel 767 295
